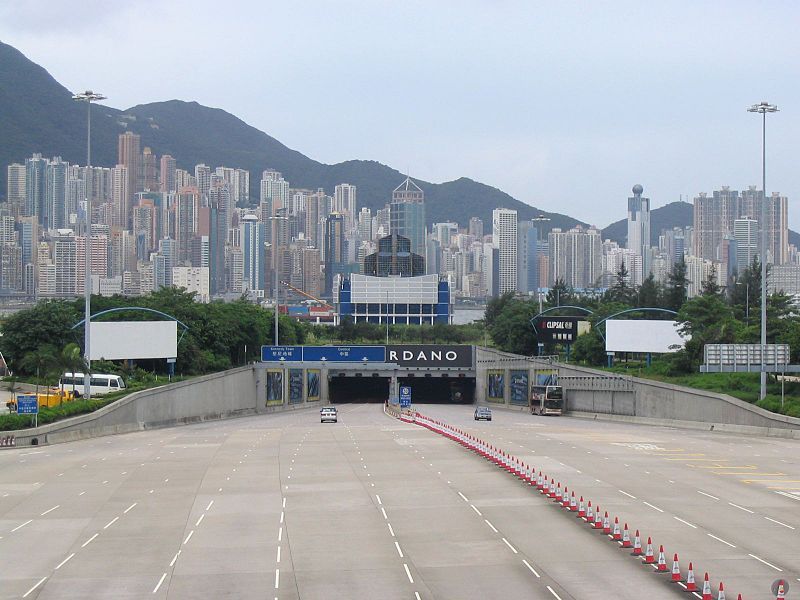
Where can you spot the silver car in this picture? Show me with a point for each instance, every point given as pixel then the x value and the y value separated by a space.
pixel 328 413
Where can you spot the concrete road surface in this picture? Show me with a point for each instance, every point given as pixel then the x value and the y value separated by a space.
pixel 281 506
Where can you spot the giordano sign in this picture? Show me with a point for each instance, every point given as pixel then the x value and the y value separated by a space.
pixel 429 355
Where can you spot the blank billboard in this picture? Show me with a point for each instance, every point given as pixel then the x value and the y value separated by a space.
pixel 133 339
pixel 643 336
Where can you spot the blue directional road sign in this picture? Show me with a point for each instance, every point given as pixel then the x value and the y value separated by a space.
pixel 281 353
pixel 405 396
pixel 27 404
pixel 345 353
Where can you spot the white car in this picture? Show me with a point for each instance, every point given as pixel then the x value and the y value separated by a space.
pixel 328 413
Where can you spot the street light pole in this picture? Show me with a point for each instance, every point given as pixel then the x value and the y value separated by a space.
pixel 88 96
pixel 763 108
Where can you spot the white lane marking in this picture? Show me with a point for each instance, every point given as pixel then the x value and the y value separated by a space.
pixel 416 596
pixel 527 564
pixel 552 591
pixel 709 495
pixel 685 522
pixel 130 508
pixel 38 583
pixel 277 578
pixel 284 503
pixel 151 491
pixel 653 507
pixel 720 540
pixel 278 560
pixel 384 513
pixel 174 558
pixel 63 562
pixel 514 550
pixel 89 541
pixel 280 534
pixel 378 498
pixel 390 529
pixel 105 482
pixel 766 563
pixel 21 526
pixel 463 497
pixel 779 523
pixel 49 510
pixel 281 517
pixel 200 520
pixel 408 573
pixel 111 522
pixel 627 494
pixel 212 502
pixel 81 494
pixel 698 595
pixel 741 507
pixel 476 510
pixel 188 537
pixel 160 581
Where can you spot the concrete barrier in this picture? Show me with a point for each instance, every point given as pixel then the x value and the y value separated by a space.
pixel 233 393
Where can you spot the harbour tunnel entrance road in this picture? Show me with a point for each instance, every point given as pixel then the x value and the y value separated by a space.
pixel 282 506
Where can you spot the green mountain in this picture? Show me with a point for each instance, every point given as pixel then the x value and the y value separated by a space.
pixel 674 214
pixel 37 114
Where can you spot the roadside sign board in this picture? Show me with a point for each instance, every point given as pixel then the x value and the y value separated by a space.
pixel 556 329
pixel 27 404
pixel 345 353
pixel 405 396
pixel 281 353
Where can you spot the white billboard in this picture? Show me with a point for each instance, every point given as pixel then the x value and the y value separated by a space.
pixel 133 339
pixel 655 337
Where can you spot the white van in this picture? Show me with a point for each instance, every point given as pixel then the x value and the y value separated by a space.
pixel 101 383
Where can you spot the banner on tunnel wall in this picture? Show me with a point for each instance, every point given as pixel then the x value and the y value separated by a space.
pixel 295 386
pixel 518 387
pixel 312 385
pixel 495 385
pixel 274 387
pixel 546 377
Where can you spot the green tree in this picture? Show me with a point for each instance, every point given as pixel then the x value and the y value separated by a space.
pixel 705 320
pixel 512 330
pixel 47 323
pixel 496 306
pixel 710 286
pixel 621 290
pixel 649 293
pixel 560 294
pixel 43 362
pixel 677 287
pixel 72 361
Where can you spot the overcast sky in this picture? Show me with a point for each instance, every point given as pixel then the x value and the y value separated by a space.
pixel 564 105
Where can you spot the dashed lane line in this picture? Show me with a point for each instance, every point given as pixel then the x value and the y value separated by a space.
pixel 709 495
pixel 779 523
pixel 49 510
pixel 160 581
pixel 685 522
pixel 761 560
pixel 552 591
pixel 65 561
pixel 741 508
pixel 30 591
pixel 532 570
pixel 408 573
pixel 654 507
pixel 719 539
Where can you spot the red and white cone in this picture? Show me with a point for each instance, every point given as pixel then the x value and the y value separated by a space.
pixel 558 493
pixel 637 544
pixel 616 535
pixel 552 492
pixel 626 537
pixel 598 520
pixel 706 589
pixel 676 569
pixel 691 586
pixel 662 560
pixel 565 498
pixel 649 556
pixel 590 514
pixel 606 524
pixel 721 593
pixel 781 591
pixel 540 482
pixel 573 504
pixel 581 508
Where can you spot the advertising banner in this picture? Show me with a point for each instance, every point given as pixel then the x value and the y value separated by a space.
pixel 518 387
pixel 312 384
pixel 295 386
pixel 495 386
pixel 274 385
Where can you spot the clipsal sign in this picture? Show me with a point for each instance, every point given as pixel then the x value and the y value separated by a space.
pixel 429 355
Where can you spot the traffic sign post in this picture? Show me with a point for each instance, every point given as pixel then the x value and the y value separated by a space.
pixel 28 404
pixel 405 396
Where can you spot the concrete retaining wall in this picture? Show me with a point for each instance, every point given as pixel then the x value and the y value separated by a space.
pixel 232 393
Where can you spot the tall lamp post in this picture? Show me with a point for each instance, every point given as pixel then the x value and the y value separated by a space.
pixel 88 96
pixel 763 108
pixel 540 221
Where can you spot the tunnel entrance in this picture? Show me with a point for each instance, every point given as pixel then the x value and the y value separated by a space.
pixel 441 390
pixel 358 389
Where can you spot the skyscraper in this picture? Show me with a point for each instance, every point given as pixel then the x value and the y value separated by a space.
pixel 149 181
pixel 576 257
pixel 130 157
pixel 55 194
pixel 748 242
pixel 202 176
pixel 344 201
pixel 504 238
pixel 167 173
pixel 254 254
pixel 35 186
pixel 15 185
pixel 274 193
pixel 407 215
pixel 639 226
pixel 527 257
pixel 120 180
pixel 335 257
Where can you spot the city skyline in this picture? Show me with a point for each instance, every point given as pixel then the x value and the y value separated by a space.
pixel 642 121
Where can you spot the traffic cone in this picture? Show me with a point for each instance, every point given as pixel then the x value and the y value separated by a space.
pixel 637 544
pixel 616 535
pixel 540 481
pixel 706 589
pixel 721 594
pixel 552 492
pixel 606 524
pixel 558 493
pixel 662 560
pixel 691 586
pixel 565 498
pixel 626 537
pixel 573 504
pixel 589 514
pixel 581 508
pixel 676 569
pixel 649 557
pixel 598 520
pixel 781 591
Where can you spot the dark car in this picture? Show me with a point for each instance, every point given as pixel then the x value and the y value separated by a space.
pixel 482 413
